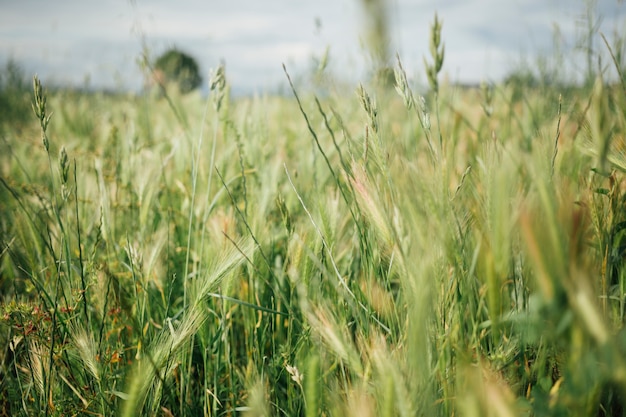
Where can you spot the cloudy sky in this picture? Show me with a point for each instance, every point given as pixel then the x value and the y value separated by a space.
pixel 99 43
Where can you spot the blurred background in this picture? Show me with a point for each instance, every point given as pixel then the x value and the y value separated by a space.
pixel 102 45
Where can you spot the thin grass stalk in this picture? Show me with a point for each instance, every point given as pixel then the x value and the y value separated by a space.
pixel 344 164
pixel 321 150
pixel 254 238
pixel 80 252
pixel 40 109
pixel 217 97
pixel 556 138
pixel 42 292
pixel 47 377
pixel 340 278
pixel 240 151
pixel 616 64
pixel 194 180
pixel 404 90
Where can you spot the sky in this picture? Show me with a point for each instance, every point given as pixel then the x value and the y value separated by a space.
pixel 99 43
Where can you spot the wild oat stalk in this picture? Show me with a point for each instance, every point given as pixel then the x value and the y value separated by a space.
pixel 404 90
pixel 556 138
pixel 437 52
pixel 39 106
pixel 160 358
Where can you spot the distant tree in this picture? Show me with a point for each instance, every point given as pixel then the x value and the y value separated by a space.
pixel 179 68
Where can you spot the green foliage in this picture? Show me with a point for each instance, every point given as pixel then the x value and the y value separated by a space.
pixel 14 96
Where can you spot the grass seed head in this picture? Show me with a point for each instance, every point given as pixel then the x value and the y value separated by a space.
pixel 437 52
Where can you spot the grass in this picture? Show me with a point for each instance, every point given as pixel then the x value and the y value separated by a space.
pixel 375 254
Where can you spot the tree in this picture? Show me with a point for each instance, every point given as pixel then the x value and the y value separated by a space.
pixel 179 68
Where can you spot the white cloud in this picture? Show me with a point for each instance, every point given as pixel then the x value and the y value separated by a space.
pixel 484 38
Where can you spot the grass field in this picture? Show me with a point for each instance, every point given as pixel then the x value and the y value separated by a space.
pixel 376 253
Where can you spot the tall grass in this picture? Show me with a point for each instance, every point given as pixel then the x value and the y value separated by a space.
pixel 386 253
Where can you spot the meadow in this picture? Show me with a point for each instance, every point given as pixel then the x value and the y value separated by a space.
pixel 383 252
